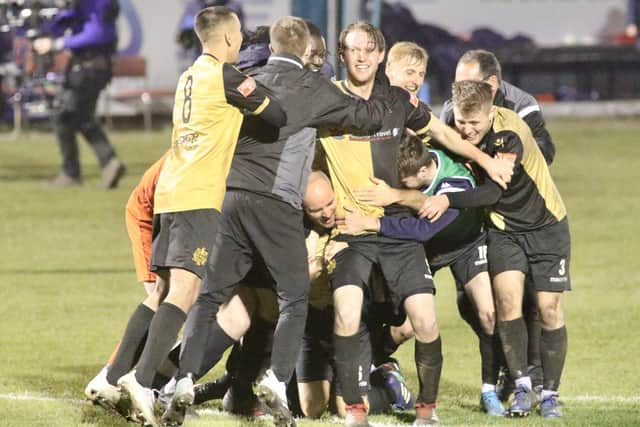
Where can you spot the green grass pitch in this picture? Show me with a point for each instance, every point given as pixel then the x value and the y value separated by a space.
pixel 67 286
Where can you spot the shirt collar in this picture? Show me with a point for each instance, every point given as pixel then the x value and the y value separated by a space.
pixel 285 57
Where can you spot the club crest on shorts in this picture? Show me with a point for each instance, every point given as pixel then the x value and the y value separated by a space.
pixel 331 265
pixel 200 256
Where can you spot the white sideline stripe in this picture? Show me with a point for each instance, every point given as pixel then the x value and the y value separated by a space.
pixel 207 411
pixel 624 399
pixel 34 398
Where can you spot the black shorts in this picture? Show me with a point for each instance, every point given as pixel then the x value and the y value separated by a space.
pixel 264 233
pixel 315 361
pixel 184 239
pixel 403 265
pixel 543 255
pixel 470 261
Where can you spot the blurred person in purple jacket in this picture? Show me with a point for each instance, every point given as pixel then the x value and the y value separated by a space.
pixel 92 40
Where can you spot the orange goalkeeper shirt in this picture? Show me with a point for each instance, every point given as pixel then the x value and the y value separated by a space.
pixel 139 220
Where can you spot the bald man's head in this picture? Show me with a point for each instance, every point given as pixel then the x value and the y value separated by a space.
pixel 320 201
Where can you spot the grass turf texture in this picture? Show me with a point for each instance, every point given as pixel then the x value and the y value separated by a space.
pixel 68 286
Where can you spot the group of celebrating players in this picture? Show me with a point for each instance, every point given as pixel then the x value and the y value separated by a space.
pixel 300 220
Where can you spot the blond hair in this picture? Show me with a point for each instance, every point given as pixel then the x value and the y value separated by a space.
pixel 470 96
pixel 410 50
pixel 289 35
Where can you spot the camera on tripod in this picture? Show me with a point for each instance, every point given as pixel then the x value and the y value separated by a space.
pixel 28 86
pixel 28 18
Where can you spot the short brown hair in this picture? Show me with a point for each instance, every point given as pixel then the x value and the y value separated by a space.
pixel 469 96
pixel 373 32
pixel 487 62
pixel 407 49
pixel 412 156
pixel 289 35
pixel 209 18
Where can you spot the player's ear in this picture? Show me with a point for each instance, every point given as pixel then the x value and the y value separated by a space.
pixel 492 111
pixel 495 84
pixel 270 48
pixel 227 38
pixel 381 57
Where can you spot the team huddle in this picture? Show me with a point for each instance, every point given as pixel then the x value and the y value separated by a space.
pixel 300 221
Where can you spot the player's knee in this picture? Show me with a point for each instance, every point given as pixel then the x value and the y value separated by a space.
pixel 235 323
pixel 313 407
pixel 347 320
pixel 403 333
pixel 425 328
pixel 487 320
pixel 551 314
pixel 508 308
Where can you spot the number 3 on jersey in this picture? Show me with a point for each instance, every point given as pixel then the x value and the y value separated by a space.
pixel 186 105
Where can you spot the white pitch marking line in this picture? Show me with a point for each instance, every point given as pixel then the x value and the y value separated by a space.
pixel 584 398
pixel 36 398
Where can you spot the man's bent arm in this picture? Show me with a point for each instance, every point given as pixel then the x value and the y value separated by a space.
pixel 412 228
pixel 498 170
pixel 486 194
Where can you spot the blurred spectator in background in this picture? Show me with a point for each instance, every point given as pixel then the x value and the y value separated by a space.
pixel 482 65
pixel 92 41
pixel 6 50
pixel 8 67
pixel 633 19
pixel 612 29
pixel 254 51
pixel 186 37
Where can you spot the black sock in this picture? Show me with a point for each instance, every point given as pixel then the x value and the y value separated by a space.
pixel 490 348
pixel 389 346
pixel 197 329
pixel 233 359
pixel 134 337
pixel 380 399
pixel 530 311
pixel 347 350
pixel 174 354
pixel 163 332
pixel 382 343
pixel 553 351
pixel 217 343
pixel 513 334
pixel 429 364
pixel 168 369
pixel 255 351
pixel 489 345
pixel 159 381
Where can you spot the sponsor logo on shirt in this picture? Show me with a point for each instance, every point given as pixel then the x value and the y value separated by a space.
pixel 378 136
pixel 188 141
pixel 247 87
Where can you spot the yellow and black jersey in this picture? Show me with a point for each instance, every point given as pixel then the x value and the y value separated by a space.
pixel 206 122
pixel 320 294
pixel 353 158
pixel 531 199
